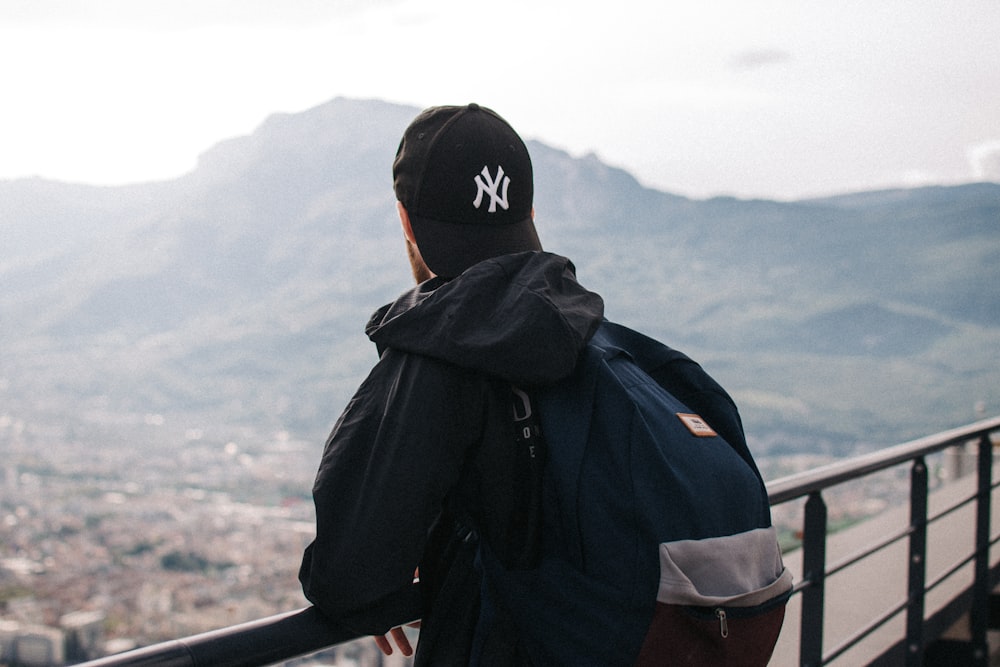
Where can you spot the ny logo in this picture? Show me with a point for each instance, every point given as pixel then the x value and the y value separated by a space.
pixel 489 186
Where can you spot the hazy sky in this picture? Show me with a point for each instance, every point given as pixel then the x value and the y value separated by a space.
pixel 780 99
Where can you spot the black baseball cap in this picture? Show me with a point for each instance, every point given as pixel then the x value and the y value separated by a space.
pixel 465 178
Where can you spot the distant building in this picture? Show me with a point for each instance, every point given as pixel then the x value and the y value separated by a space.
pixel 8 633
pixel 80 637
pixel 84 632
pixel 38 646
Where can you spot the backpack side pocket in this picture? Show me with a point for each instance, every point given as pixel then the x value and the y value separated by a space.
pixel 721 601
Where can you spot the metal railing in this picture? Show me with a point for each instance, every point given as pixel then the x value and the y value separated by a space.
pixel 286 636
pixel 919 632
pixel 261 642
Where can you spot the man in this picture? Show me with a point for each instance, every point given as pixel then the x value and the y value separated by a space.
pixel 433 499
pixel 409 474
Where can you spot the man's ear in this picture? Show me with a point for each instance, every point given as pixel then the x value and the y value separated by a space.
pixel 404 219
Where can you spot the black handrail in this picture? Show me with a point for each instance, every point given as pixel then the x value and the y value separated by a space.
pixel 818 479
pixel 286 636
pixel 264 641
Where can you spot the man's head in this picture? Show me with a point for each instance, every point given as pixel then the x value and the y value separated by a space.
pixel 463 178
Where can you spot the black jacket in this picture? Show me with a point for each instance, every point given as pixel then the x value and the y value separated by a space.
pixel 414 467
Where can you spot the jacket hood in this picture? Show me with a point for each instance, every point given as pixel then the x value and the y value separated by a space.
pixel 521 317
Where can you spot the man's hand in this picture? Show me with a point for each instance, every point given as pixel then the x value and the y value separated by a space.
pixel 398 636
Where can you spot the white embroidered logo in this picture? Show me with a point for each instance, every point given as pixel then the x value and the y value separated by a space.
pixel 489 186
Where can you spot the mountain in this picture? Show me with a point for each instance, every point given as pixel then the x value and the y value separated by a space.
pixel 232 300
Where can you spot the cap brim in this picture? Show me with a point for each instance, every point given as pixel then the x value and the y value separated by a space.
pixel 449 248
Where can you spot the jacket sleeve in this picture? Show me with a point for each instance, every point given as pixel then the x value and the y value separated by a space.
pixel 393 456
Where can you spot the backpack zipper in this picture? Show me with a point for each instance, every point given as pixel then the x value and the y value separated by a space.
pixel 723 623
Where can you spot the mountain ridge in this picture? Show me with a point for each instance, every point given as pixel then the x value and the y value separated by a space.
pixel 235 295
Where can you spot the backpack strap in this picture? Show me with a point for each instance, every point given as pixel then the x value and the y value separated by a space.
pixel 522 535
pixel 566 409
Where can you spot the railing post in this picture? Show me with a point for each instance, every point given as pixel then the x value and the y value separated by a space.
pixel 916 583
pixel 979 616
pixel 813 571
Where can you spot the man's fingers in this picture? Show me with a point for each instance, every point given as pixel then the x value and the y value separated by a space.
pixel 398 636
pixel 401 641
pixel 383 645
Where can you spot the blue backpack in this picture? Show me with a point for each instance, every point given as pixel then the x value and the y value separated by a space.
pixel 655 543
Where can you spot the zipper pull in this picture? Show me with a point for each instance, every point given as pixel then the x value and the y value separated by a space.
pixel 723 623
